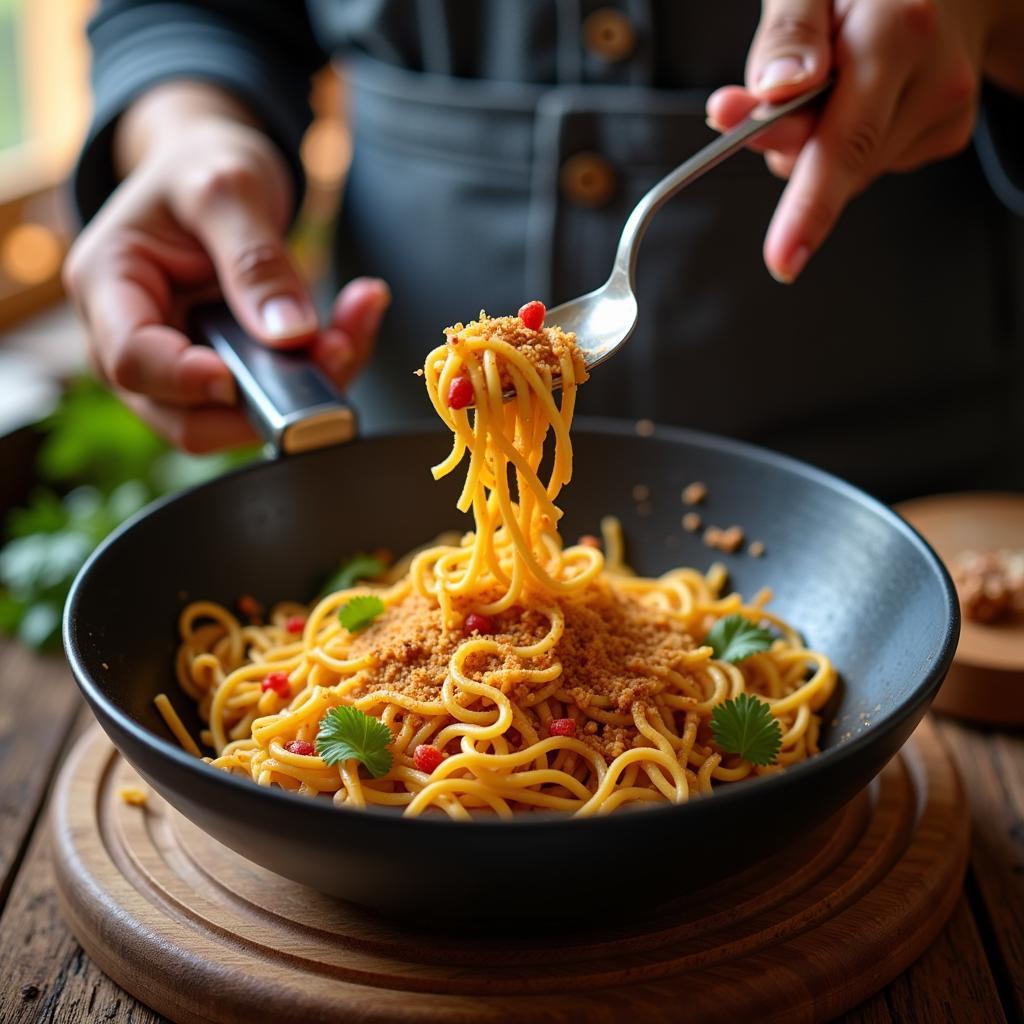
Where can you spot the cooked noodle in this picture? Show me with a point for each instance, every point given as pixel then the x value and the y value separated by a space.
pixel 569 636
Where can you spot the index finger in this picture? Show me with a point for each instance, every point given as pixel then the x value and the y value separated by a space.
pixel 836 162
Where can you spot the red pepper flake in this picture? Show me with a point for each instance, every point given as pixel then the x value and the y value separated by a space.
pixel 532 315
pixel 296 624
pixel 477 623
pixel 278 682
pixel 427 757
pixel 303 747
pixel 561 727
pixel 588 540
pixel 460 393
pixel 250 607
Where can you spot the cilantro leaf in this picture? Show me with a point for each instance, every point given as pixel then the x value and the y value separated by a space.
pixel 347 733
pixel 358 613
pixel 746 726
pixel 358 567
pixel 735 638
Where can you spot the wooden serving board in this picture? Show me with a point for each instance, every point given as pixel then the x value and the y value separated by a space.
pixel 203 935
pixel 986 680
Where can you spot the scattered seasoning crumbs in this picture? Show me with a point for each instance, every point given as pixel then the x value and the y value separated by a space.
pixel 695 493
pixel 133 795
pixel 644 427
pixel 756 549
pixel 641 492
pixel 691 522
pixel 590 728
pixel 730 540
pixel 105 665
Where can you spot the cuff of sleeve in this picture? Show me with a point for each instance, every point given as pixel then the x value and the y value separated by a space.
pixel 999 140
pixel 142 53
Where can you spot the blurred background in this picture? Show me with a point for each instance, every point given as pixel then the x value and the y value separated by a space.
pixel 73 462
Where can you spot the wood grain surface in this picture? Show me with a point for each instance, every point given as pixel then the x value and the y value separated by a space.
pixel 974 971
pixel 803 937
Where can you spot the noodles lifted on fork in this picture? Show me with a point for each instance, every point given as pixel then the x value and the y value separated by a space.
pixel 544 677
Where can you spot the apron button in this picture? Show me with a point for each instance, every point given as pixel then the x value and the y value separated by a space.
pixel 587 179
pixel 608 35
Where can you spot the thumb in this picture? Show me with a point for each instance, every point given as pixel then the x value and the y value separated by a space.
pixel 792 48
pixel 256 272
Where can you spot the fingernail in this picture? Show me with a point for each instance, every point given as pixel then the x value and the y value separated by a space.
pixel 797 262
pixel 283 317
pixel 222 390
pixel 781 71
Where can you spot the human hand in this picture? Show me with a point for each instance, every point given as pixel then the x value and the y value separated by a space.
pixel 204 209
pixel 907 76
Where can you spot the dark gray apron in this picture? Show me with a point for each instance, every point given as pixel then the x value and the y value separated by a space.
pixel 896 360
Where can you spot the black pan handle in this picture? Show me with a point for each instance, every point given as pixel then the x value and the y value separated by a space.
pixel 289 400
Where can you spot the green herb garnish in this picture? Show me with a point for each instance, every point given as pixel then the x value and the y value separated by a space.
pixel 746 726
pixel 735 638
pixel 358 613
pixel 348 733
pixel 358 567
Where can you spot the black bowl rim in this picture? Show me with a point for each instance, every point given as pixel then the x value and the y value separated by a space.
pixel 830 758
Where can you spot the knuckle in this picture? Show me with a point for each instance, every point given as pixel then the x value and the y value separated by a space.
pixel 961 84
pixel 225 179
pixel 791 27
pixel 858 145
pixel 258 263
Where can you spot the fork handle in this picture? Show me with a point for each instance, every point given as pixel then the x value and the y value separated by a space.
pixel 761 117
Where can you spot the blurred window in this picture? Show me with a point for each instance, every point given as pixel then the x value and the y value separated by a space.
pixel 44 107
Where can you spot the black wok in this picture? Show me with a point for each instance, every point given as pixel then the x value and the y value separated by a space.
pixel 850 574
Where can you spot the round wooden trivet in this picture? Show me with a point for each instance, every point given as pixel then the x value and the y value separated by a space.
pixel 201 934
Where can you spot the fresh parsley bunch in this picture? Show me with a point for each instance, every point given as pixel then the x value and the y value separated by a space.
pixel 104 464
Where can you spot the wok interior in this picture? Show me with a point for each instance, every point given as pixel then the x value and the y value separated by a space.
pixel 845 572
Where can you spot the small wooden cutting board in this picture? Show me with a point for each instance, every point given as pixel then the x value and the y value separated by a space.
pixel 201 934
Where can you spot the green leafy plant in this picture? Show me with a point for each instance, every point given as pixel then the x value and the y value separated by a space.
pixel 735 638
pixel 347 733
pixel 746 726
pixel 104 464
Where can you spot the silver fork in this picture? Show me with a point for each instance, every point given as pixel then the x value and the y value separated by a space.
pixel 604 319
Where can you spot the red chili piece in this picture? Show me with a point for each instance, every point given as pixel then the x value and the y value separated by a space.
pixel 460 393
pixel 561 727
pixel 532 315
pixel 588 540
pixel 427 757
pixel 278 682
pixel 303 747
pixel 479 623
pixel 296 624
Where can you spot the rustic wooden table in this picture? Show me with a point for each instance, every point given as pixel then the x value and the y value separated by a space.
pixel 974 972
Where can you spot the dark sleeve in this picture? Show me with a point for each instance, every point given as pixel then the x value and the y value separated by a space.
pixel 999 139
pixel 262 51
